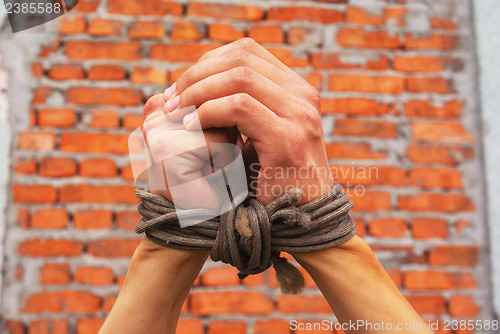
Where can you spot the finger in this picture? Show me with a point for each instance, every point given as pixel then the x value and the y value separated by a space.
pixel 252 118
pixel 248 45
pixel 154 103
pixel 239 58
pixel 240 80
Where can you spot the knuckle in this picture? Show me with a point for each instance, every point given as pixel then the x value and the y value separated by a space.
pixel 238 57
pixel 241 75
pixel 243 103
pixel 247 43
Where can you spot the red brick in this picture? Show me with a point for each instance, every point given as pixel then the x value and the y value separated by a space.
pixel 427 202
pixel 396 14
pixel 146 30
pixel 224 32
pixel 371 201
pixel 463 307
pixel 57 117
pixel 113 248
pixel 356 15
pixel 267 34
pixel 50 247
pixel 180 52
pixel 334 61
pixel 463 226
pixel 366 84
pixel 352 175
pixel 34 193
pixel 364 128
pixel 106 72
pixel 57 167
pixel 187 30
pixel 358 38
pixel 132 121
pixel 355 151
pixel 427 177
pixel 127 220
pixel 72 25
pixel 303 304
pixel 177 73
pixel 126 173
pixel 444 132
pixel 103 27
pixel 102 167
pixel 82 142
pixel 14 327
pixel 388 227
pixel 51 218
pixel 108 303
pixel 89 325
pixel 66 72
pixel 149 75
pixel 438 280
pixel 229 327
pixel 418 64
pixel 84 193
pixel 315 79
pixel 427 228
pixel 423 108
pixel 145 7
pixel 454 255
pixel 428 85
pixel 87 6
pixel 298 35
pixel 26 167
pixel 212 303
pixel 83 50
pixel 190 326
pixel 105 119
pixel 221 276
pixel 289 58
pixel 48 326
pixel 93 219
pixel 303 13
pixel 432 42
pixel 94 275
pixel 222 11
pixel 396 275
pixel 445 154
pixel 428 304
pixel 36 141
pixel 41 94
pixel 354 106
pixel 442 23
pixel 49 49
pixel 271 326
pixel 55 273
pixel 37 70
pixel 23 218
pixel 122 97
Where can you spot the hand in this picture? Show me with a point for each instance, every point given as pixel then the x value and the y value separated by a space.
pixel 242 85
pixel 183 158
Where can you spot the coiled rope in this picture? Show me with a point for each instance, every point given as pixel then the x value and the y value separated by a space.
pixel 251 236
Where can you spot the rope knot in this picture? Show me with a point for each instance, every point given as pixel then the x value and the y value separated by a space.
pixel 251 236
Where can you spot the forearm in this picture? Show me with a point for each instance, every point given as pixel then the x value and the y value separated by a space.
pixel 157 284
pixel 357 287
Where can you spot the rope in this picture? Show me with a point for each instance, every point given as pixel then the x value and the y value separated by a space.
pixel 251 236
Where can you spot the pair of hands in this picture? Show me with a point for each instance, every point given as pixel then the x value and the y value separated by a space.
pixel 241 88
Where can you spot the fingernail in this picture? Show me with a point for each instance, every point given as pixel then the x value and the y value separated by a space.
pixel 169 92
pixel 188 119
pixel 172 104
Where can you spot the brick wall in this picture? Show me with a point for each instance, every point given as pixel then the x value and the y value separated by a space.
pixel 397 80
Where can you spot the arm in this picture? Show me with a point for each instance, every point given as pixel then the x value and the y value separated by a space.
pixel 152 295
pixel 357 287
